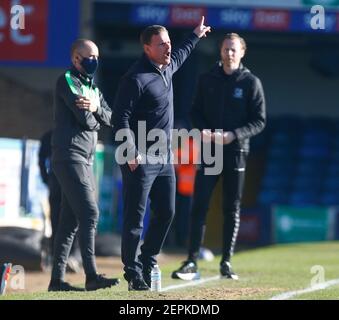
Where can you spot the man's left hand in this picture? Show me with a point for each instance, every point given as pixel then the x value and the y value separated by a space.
pixel 86 104
pixel 223 138
pixel 228 137
pixel 201 30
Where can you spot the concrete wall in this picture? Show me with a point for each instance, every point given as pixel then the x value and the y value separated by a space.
pixel 24 112
pixel 292 85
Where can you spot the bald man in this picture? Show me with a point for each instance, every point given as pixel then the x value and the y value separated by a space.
pixel 79 112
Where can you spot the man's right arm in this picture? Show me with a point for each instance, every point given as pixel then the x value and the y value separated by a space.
pixel 85 118
pixel 180 54
pixel 256 114
pixel 126 99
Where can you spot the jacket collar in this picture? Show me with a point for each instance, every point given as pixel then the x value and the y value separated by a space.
pixel 218 71
pixel 148 63
pixel 85 79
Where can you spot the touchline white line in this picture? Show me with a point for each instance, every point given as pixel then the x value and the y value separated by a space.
pixel 282 296
pixel 320 286
pixel 190 283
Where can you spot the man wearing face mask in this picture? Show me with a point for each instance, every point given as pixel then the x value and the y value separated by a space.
pixel 79 112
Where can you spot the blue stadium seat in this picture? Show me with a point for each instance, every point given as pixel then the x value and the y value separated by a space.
pixel 319 152
pixel 271 197
pixel 303 198
pixel 279 167
pixel 335 142
pixel 329 199
pixel 333 169
pixel 307 183
pixel 276 182
pixel 316 138
pixel 331 184
pixel 259 142
pixel 285 139
pixel 288 123
pixel 302 154
pixel 334 156
pixel 311 167
pixel 281 153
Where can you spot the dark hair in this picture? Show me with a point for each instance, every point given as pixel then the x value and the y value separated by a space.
pixel 232 36
pixel 147 33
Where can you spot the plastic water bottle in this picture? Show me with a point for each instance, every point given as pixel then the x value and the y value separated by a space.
pixel 156 278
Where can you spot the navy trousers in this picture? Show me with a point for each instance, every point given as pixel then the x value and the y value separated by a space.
pixel 156 182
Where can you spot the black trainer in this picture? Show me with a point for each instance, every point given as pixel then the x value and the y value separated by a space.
pixel 188 271
pixel 227 272
pixel 58 285
pixel 100 282
pixel 137 284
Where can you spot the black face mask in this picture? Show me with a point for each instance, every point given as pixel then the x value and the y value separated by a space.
pixel 90 65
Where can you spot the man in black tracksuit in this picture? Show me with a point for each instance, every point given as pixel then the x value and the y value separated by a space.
pixel 80 111
pixel 146 94
pixel 231 98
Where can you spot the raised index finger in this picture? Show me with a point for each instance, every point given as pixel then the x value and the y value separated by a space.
pixel 202 20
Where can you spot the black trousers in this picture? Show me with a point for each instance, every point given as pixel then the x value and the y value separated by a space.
pixel 234 163
pixel 79 210
pixel 55 205
pixel 156 181
pixel 181 222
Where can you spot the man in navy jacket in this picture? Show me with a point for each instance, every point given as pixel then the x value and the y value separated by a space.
pixel 144 102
